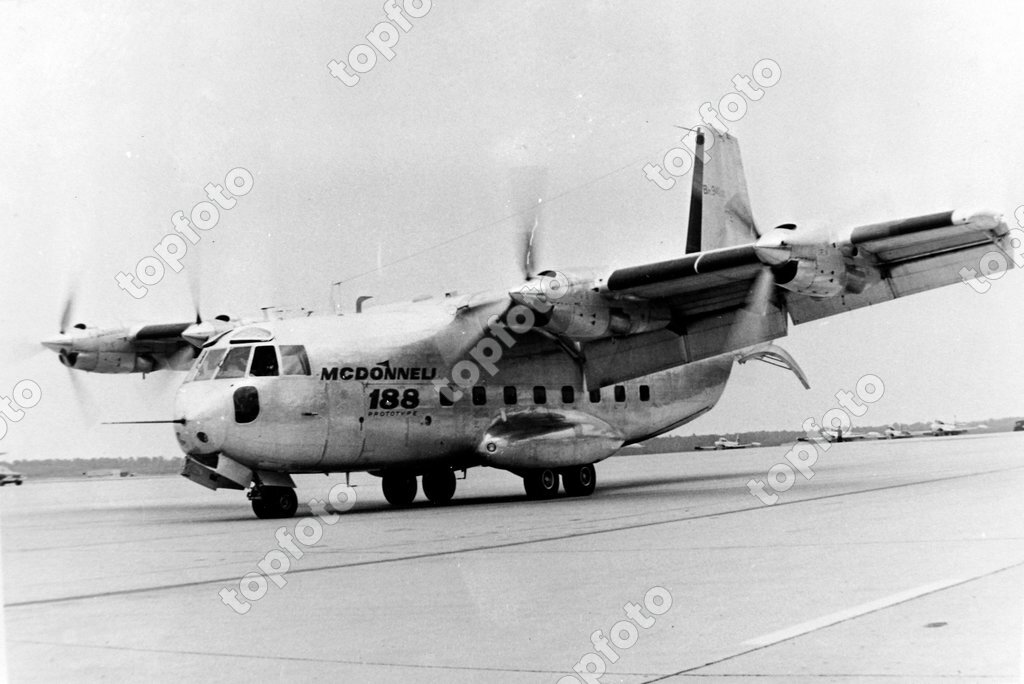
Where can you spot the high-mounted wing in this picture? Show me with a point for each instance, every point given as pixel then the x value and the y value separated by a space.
pixel 740 290
pixel 901 258
pixel 137 349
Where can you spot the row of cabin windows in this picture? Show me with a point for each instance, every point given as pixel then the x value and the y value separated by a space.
pixel 510 395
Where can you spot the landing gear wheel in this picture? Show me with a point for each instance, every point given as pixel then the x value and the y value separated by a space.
pixel 439 485
pixel 399 488
pixel 579 480
pixel 274 502
pixel 541 483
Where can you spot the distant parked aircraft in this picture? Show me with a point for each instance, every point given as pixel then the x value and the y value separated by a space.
pixel 726 443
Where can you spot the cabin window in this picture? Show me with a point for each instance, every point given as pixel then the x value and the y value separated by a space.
pixel 294 360
pixel 568 394
pixel 235 363
pixel 645 392
pixel 595 396
pixel 479 395
pixel 540 395
pixel 510 396
pixel 445 396
pixel 208 362
pixel 247 404
pixel 264 361
pixel 620 393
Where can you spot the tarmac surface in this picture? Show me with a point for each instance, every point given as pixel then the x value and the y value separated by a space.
pixel 898 561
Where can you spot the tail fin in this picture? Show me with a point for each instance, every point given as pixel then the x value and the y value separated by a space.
pixel 720 213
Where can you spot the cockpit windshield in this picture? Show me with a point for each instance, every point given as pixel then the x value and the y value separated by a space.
pixel 235 363
pixel 259 360
pixel 207 365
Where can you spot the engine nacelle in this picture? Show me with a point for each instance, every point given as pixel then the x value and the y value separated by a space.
pixel 810 265
pixel 109 362
pixel 574 308
pixel 821 275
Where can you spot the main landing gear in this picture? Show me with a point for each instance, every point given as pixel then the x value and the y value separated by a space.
pixel 273 502
pixel 543 482
pixel 400 488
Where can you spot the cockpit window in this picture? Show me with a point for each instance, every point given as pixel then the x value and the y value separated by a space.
pixel 251 335
pixel 264 361
pixel 294 360
pixel 235 363
pixel 208 363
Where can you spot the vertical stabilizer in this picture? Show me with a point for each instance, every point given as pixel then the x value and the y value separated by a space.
pixel 720 214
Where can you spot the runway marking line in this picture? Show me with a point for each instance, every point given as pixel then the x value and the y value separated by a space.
pixel 850 613
pixel 773 638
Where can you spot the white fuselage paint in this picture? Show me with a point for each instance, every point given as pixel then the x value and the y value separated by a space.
pixel 327 422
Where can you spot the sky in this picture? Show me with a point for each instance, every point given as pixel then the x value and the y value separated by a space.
pixel 116 116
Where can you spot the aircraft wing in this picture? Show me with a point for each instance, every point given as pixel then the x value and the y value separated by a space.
pixel 892 259
pixel 160 338
pixel 695 284
pixel 731 298
pixel 901 258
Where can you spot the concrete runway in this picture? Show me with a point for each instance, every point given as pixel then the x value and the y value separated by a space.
pixel 898 561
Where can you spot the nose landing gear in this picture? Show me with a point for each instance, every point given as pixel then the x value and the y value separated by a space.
pixel 273 502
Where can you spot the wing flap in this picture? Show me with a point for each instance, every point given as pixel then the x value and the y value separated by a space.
pixel 906 257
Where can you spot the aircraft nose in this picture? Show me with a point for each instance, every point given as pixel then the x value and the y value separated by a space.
pixel 206 411
pixel 57 342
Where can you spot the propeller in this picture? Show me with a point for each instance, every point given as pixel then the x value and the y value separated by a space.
pixel 65 317
pixel 194 288
pixel 83 397
pixel 751 325
pixel 529 184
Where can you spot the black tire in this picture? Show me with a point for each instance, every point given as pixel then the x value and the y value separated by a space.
pixel 399 488
pixel 439 485
pixel 579 480
pixel 541 483
pixel 18 483
pixel 275 502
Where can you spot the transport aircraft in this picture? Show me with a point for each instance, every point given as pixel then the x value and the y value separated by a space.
pixel 838 435
pixel 544 379
pixel 941 428
pixel 726 443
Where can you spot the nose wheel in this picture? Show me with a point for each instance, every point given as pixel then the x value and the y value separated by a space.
pixel 273 502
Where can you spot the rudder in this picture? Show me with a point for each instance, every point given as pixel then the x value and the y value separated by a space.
pixel 720 214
